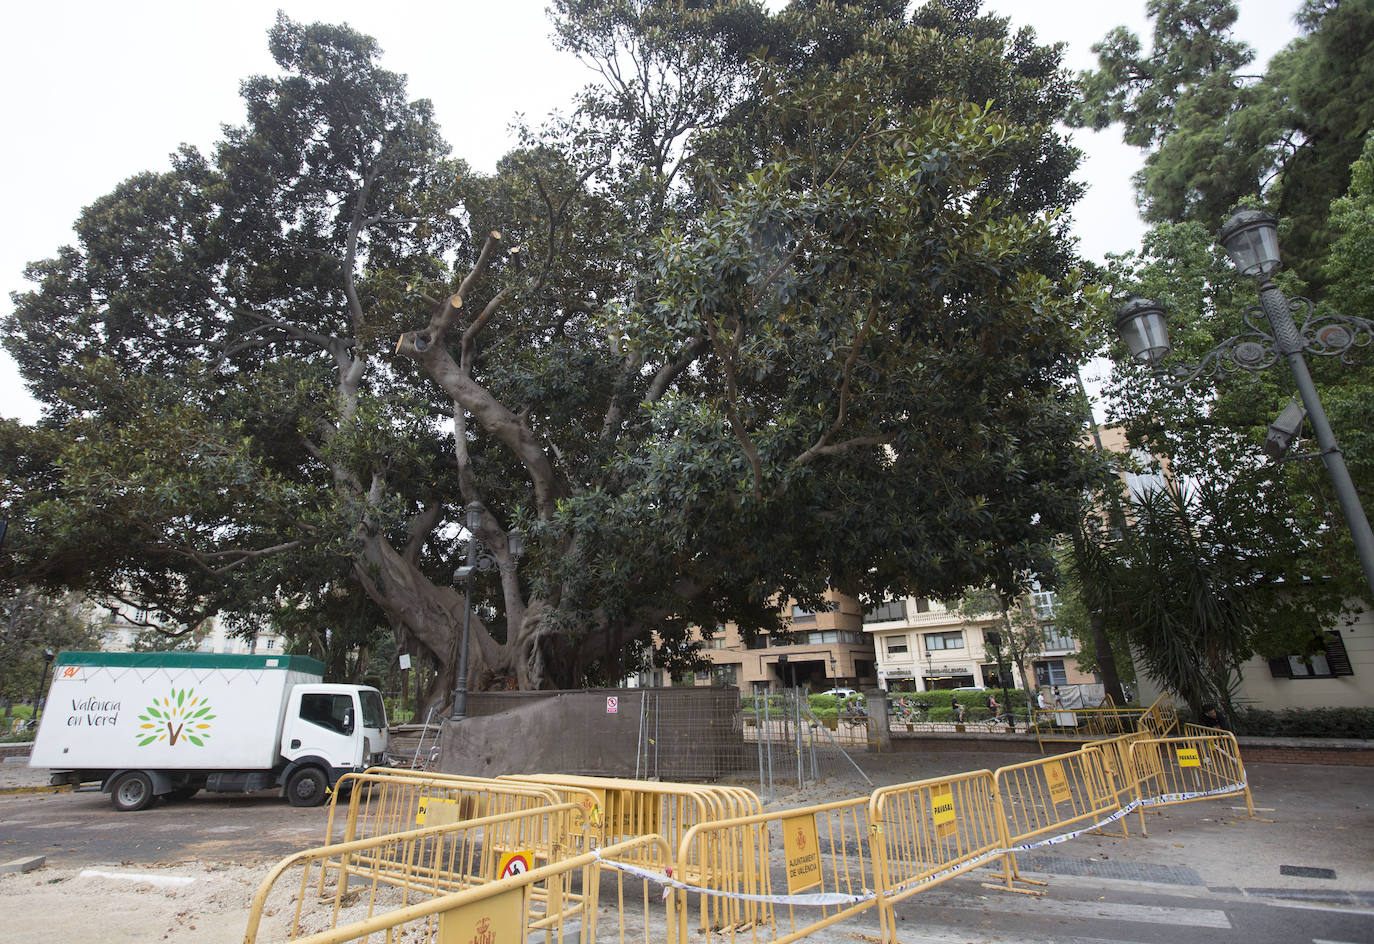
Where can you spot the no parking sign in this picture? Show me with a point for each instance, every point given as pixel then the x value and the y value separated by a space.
pixel 612 705
pixel 514 863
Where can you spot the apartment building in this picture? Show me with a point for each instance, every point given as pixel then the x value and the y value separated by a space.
pixel 925 645
pixel 122 629
pixel 828 649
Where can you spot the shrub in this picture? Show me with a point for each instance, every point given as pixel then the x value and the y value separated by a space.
pixel 1353 723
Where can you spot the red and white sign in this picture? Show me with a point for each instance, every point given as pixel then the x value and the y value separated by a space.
pixel 514 863
pixel 612 705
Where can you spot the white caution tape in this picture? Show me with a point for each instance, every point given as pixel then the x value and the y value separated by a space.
pixel 815 899
pixel 947 871
pixel 1162 800
pixel 1166 798
pixel 1065 837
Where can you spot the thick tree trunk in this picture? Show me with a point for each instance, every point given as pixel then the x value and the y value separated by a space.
pixel 433 615
pixel 1106 657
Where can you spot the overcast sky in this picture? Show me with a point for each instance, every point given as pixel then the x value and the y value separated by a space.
pixel 96 91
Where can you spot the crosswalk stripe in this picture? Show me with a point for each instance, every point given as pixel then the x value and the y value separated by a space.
pixel 934 934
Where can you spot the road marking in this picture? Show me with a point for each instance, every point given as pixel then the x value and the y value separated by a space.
pixel 109 826
pixel 1322 940
pixel 226 829
pixel 948 934
pixel 55 824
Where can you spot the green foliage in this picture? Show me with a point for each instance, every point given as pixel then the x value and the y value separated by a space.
pixel 31 622
pixel 786 302
pixel 1217 134
pixel 1193 592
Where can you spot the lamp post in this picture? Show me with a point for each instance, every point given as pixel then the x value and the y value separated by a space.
pixel 1251 240
pixel 38 699
pixel 479 558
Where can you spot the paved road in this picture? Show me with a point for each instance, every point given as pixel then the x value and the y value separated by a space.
pixel 1088 911
pixel 79 829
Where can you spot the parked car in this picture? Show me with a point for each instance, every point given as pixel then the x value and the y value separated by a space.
pixel 840 692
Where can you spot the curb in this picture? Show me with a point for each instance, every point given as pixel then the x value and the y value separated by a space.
pixel 47 788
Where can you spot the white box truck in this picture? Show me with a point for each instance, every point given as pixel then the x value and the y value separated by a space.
pixel 169 724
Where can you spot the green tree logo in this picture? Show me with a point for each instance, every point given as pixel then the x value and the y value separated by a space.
pixel 183 714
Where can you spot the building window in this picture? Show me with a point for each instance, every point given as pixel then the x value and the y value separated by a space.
pixel 800 615
pixel 1329 661
pixel 923 605
pixel 883 612
pixel 716 642
pixel 896 646
pixel 1046 603
pixel 760 641
pixel 1053 639
pixel 1050 672
pixel 727 674
pixel 271 644
pixel 936 641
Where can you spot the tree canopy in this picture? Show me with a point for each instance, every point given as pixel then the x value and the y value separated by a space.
pixel 785 302
pixel 1289 141
pixel 1217 130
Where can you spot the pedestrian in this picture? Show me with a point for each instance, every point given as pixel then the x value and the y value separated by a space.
pixel 992 703
pixel 1058 702
pixel 958 709
pixel 1040 699
pixel 1210 716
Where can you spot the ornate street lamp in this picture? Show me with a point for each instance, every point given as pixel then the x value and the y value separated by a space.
pixel 484 559
pixel 1251 239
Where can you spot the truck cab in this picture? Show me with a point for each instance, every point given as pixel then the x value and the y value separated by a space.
pixel 328 731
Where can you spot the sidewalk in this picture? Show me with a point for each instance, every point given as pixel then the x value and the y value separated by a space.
pixel 16 775
pixel 1323 819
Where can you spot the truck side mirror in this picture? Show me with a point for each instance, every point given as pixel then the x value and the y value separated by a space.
pixel 348 721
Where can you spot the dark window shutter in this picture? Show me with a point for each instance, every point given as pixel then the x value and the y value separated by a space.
pixel 1279 668
pixel 1336 656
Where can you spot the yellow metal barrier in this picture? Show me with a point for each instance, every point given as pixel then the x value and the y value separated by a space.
pixel 1161 718
pixel 777 877
pixel 419 864
pixel 633 808
pixel 928 832
pixel 1187 769
pixel 387 800
pixel 1078 725
pixel 1048 797
pixel 508 911
pixel 1116 763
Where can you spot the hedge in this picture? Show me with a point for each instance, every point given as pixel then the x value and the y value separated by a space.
pixel 1349 723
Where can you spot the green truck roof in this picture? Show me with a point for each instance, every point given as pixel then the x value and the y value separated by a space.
pixel 194 660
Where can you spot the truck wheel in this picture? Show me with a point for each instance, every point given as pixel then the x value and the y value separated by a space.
pixel 307 787
pixel 132 791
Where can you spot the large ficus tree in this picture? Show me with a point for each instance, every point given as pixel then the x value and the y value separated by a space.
pixel 786 302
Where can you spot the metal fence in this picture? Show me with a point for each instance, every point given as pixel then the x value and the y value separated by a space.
pixel 778 741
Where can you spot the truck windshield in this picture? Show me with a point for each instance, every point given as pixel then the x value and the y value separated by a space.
pixel 374 715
